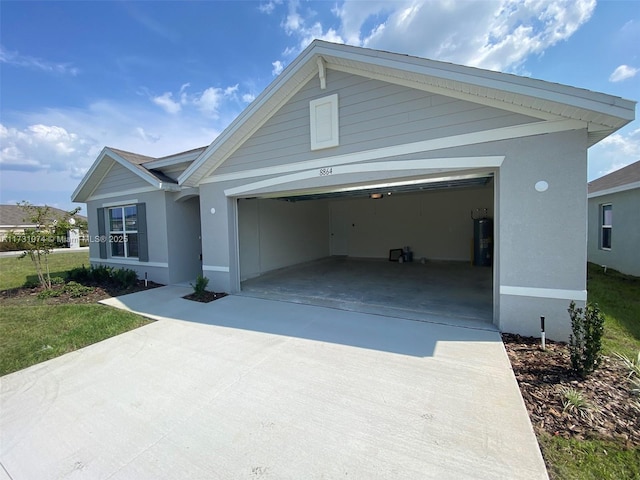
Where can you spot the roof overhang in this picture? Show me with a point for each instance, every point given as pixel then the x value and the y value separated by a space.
pixel 601 114
pixel 101 167
pixel 618 189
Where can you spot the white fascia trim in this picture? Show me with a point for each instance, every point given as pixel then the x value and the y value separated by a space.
pixel 123 261
pixel 609 191
pixel 214 268
pixel 564 94
pixel 555 293
pixel 445 164
pixel 133 191
pixel 485 136
pixel 89 173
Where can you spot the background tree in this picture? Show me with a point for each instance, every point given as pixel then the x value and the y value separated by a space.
pixel 49 231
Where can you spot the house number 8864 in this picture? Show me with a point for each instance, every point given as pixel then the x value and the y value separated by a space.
pixel 326 171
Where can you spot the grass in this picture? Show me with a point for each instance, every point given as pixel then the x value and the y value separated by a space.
pixel 30 335
pixel 33 332
pixel 618 297
pixel 589 459
pixel 14 272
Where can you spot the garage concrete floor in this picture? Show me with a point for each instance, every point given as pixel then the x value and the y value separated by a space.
pixel 407 290
pixel 247 388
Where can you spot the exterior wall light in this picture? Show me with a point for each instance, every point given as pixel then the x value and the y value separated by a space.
pixel 376 196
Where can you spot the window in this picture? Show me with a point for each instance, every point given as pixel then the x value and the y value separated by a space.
pixel 606 222
pixel 123 231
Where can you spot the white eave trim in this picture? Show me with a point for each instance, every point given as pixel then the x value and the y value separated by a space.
pixel 175 160
pixel 609 191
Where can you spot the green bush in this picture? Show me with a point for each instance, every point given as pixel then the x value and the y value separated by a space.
pixel 79 274
pixel 200 286
pixel 124 277
pixel 585 341
pixel 101 274
pixel 76 290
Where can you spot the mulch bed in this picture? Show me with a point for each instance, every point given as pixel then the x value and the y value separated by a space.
pixel 29 295
pixel 205 297
pixel 543 376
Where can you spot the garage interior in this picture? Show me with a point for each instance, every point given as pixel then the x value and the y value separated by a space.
pixel 334 248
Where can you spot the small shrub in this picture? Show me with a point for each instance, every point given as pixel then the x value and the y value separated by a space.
pixel 49 294
pixel 574 403
pixel 101 273
pixel 200 286
pixel 585 341
pixel 57 281
pixel 633 367
pixel 79 274
pixel 124 277
pixel 31 284
pixel 76 290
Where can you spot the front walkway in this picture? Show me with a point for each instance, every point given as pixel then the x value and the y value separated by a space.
pixel 253 388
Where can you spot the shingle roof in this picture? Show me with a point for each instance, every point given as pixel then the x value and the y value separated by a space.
pixel 624 176
pixel 14 215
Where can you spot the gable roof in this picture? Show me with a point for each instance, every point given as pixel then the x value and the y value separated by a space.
pixel 14 216
pixel 141 165
pixel 601 114
pixel 623 179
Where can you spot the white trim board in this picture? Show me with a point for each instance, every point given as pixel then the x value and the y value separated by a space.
pixel 485 136
pixel 609 191
pixel 428 165
pixel 133 191
pixel 556 293
pixel 215 268
pixel 123 261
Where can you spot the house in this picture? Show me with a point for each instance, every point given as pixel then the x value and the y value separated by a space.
pixel 614 220
pixel 12 219
pixel 293 179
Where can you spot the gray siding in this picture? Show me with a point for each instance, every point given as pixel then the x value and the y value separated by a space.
pixel 119 179
pixel 624 255
pixel 372 114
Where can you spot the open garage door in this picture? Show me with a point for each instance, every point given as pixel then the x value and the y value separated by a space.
pixel 333 248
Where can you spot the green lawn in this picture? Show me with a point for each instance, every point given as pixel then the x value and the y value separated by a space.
pixel 33 331
pixel 14 272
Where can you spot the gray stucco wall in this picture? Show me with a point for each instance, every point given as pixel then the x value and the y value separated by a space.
pixel 624 254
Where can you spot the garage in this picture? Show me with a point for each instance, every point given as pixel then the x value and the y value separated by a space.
pixel 404 247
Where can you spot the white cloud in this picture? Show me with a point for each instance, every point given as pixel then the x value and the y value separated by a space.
pixel 278 66
pixel 16 59
pixel 269 7
pixel 167 103
pixel 614 152
pixel 622 73
pixel 209 101
pixel 497 35
pixel 248 97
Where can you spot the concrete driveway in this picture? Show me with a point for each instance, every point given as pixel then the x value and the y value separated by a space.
pixel 247 388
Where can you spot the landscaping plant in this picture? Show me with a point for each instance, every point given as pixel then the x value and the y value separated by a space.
pixel 200 286
pixel 38 241
pixel 585 341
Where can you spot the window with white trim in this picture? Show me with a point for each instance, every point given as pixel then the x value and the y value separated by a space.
pixel 606 224
pixel 123 231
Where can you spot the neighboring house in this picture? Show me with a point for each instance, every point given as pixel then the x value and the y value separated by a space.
pixel 12 219
pixel 614 220
pixel 343 120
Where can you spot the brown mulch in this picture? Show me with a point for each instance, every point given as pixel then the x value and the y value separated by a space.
pixel 543 376
pixel 206 297
pixel 29 295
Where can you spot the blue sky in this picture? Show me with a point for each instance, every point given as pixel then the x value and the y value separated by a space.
pixel 160 77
